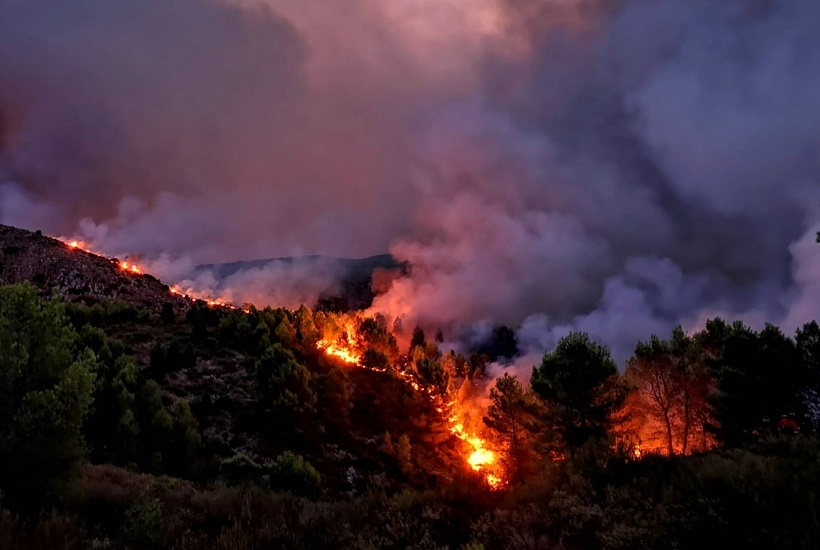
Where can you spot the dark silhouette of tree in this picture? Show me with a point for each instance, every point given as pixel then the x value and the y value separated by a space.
pixel 417 339
pixel 511 416
pixel 760 379
pixel 168 315
pixel 501 342
pixel 807 340
pixel 581 389
pixel 337 399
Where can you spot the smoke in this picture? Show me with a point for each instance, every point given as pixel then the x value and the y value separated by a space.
pixel 618 167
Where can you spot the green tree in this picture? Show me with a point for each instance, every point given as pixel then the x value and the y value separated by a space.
pixel 46 386
pixel 375 359
pixel 306 326
pixel 431 373
pixel 510 416
pixel 371 334
pixel 241 470
pixel 286 384
pixel 579 384
pixel 337 399
pixel 290 472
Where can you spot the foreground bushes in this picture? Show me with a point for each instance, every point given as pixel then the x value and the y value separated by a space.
pixel 763 497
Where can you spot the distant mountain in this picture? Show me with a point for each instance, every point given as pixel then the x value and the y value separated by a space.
pixel 355 276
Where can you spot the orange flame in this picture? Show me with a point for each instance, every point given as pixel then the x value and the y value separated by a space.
pixel 480 458
pixel 130 268
pixel 134 269
pixel 344 347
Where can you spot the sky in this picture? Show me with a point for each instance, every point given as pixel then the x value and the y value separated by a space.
pixel 618 167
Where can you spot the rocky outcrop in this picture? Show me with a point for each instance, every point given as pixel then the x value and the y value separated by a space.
pixel 77 275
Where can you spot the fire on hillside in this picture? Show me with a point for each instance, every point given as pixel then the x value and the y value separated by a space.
pixel 478 456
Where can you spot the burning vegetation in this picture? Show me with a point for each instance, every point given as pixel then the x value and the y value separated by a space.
pixel 477 454
pixel 318 427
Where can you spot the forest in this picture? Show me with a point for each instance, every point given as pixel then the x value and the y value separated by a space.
pixel 245 428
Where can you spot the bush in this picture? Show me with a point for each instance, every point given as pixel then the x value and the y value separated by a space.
pixel 143 524
pixel 240 469
pixel 291 472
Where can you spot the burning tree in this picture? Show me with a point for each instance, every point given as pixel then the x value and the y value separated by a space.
pixel 670 405
pixel 511 417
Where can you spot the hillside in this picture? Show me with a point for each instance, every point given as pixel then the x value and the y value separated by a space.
pixel 133 417
pixel 77 275
pixel 216 375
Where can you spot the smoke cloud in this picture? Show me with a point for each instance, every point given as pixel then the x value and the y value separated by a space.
pixel 618 167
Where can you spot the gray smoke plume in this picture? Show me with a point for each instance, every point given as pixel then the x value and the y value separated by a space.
pixel 618 167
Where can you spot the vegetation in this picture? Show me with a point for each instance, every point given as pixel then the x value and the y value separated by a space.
pixel 229 429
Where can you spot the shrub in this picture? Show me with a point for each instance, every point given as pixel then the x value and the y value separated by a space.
pixel 291 472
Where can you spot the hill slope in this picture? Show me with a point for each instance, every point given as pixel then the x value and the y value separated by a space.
pixel 201 355
pixel 77 275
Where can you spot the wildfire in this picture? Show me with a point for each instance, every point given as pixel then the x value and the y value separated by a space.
pixel 131 268
pixel 480 459
pixel 344 346
pixel 80 245
pixel 134 269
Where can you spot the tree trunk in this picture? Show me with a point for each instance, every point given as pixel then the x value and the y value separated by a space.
pixel 669 437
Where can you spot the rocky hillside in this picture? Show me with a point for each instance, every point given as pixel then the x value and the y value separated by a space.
pixel 79 276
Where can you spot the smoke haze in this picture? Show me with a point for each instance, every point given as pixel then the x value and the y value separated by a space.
pixel 617 167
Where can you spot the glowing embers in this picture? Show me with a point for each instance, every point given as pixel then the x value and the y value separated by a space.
pixel 481 459
pixel 343 347
pixel 130 268
pixel 342 352
pixel 80 245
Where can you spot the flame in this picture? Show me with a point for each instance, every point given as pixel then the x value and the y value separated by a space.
pixel 130 268
pixel 344 347
pixel 134 269
pixel 479 459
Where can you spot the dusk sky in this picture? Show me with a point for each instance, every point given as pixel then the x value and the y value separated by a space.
pixel 618 167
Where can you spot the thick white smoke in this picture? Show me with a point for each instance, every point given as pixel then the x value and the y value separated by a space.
pixel 618 167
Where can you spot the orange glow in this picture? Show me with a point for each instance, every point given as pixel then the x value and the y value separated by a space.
pixel 479 458
pixel 130 268
pixel 344 346
pixel 134 269
pixel 79 245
